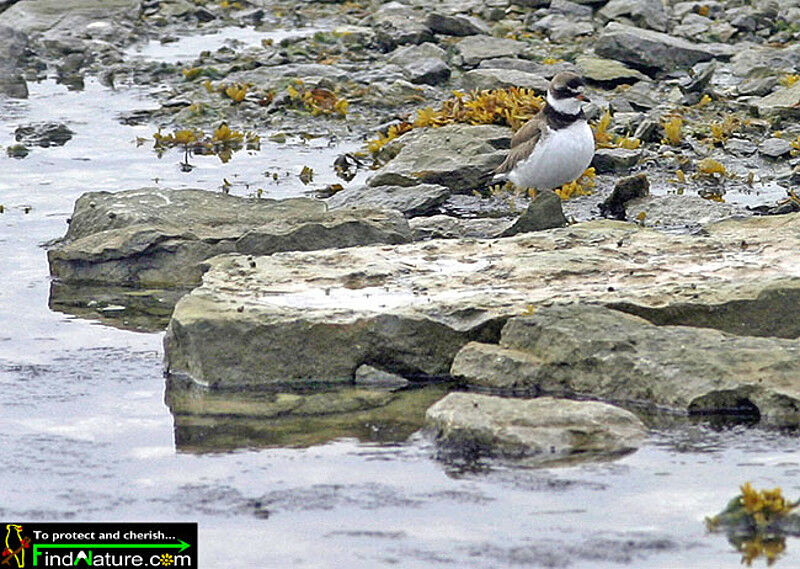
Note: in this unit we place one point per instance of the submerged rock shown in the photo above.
(218, 420)
(536, 431)
(593, 351)
(161, 237)
(302, 316)
(44, 134)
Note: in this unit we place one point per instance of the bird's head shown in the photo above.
(565, 93)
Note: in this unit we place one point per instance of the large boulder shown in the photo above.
(161, 237)
(597, 352)
(650, 50)
(536, 431)
(300, 316)
(460, 157)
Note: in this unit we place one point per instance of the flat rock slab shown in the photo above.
(161, 237)
(408, 309)
(424, 199)
(597, 352)
(459, 157)
(542, 430)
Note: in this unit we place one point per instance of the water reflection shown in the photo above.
(126, 308)
(217, 420)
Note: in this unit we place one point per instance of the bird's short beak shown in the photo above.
(582, 97)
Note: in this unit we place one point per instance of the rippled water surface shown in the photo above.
(86, 433)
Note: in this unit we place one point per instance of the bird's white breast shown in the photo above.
(559, 157)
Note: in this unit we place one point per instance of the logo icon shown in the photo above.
(16, 544)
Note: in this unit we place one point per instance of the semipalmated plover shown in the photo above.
(557, 145)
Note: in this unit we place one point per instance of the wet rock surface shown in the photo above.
(161, 237)
(411, 308)
(533, 431)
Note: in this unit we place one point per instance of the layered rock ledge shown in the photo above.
(593, 351)
(408, 309)
(160, 237)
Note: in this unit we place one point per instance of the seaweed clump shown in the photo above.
(222, 142)
(757, 523)
(512, 106)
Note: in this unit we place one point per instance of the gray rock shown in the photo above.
(44, 134)
(300, 316)
(740, 147)
(700, 78)
(615, 159)
(13, 44)
(535, 431)
(368, 376)
(412, 201)
(647, 130)
(474, 49)
(593, 351)
(548, 71)
(644, 13)
(409, 54)
(649, 49)
(560, 28)
(607, 71)
(544, 212)
(625, 190)
(571, 9)
(397, 24)
(486, 79)
(457, 25)
(642, 95)
(783, 103)
(758, 86)
(774, 147)
(428, 71)
(162, 237)
(460, 157)
(448, 227)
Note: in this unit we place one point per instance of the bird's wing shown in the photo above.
(518, 152)
(531, 129)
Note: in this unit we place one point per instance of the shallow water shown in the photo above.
(86, 433)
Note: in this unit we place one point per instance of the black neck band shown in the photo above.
(558, 120)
